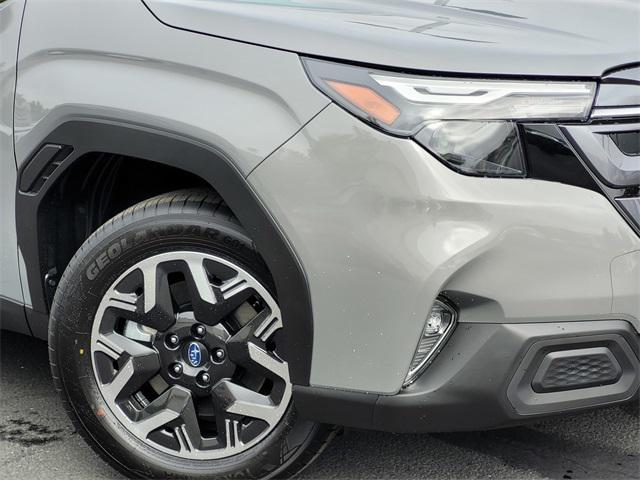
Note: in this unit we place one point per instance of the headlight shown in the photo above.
(467, 123)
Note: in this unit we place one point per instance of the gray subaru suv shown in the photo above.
(240, 223)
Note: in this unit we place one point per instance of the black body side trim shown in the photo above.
(209, 163)
(13, 317)
(38, 170)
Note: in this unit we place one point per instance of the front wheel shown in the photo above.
(164, 338)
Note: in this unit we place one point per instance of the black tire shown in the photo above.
(195, 220)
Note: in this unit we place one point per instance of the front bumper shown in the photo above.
(488, 375)
(382, 228)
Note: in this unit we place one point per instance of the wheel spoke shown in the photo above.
(158, 308)
(244, 350)
(261, 327)
(122, 305)
(123, 301)
(234, 293)
(229, 432)
(176, 403)
(232, 433)
(152, 309)
(202, 292)
(238, 400)
(212, 303)
(267, 361)
(190, 429)
(268, 326)
(140, 364)
(115, 345)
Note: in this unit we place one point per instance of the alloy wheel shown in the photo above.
(185, 354)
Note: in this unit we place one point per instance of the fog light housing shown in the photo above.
(438, 326)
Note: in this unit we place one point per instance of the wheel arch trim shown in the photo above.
(87, 134)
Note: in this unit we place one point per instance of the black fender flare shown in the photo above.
(80, 136)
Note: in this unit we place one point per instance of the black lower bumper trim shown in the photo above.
(482, 379)
(339, 407)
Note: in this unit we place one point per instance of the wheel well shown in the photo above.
(190, 164)
(94, 189)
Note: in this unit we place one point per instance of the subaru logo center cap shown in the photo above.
(195, 354)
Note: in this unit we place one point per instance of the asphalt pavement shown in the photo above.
(38, 442)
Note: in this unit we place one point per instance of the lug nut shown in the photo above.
(173, 340)
(176, 369)
(200, 330)
(204, 378)
(219, 354)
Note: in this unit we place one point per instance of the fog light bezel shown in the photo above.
(416, 372)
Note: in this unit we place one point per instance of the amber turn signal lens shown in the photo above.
(367, 100)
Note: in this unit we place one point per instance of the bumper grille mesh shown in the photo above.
(572, 369)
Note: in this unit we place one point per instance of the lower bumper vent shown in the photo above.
(573, 369)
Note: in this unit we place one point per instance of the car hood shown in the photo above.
(577, 38)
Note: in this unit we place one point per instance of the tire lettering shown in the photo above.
(92, 271)
(102, 260)
(112, 252)
(116, 249)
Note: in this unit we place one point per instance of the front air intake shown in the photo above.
(573, 369)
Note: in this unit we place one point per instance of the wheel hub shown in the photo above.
(198, 350)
